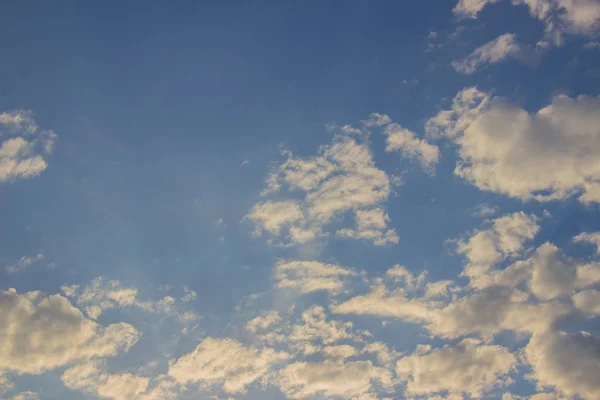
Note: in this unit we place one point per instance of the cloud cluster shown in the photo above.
(225, 362)
(529, 297)
(560, 17)
(310, 276)
(469, 367)
(342, 178)
(547, 155)
(23, 152)
(40, 332)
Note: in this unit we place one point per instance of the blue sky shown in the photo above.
(273, 199)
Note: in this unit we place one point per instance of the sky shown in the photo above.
(360, 200)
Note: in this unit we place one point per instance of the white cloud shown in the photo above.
(548, 274)
(566, 362)
(317, 328)
(497, 50)
(22, 158)
(377, 119)
(331, 379)
(468, 367)
(485, 210)
(589, 237)
(371, 225)
(91, 377)
(560, 17)
(263, 322)
(551, 154)
(341, 179)
(102, 295)
(225, 362)
(588, 302)
(380, 302)
(24, 263)
(470, 8)
(310, 276)
(272, 216)
(40, 332)
(340, 352)
(505, 238)
(308, 335)
(411, 147)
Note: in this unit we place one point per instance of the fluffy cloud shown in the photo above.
(592, 238)
(22, 153)
(497, 50)
(547, 274)
(485, 313)
(331, 379)
(91, 377)
(341, 179)
(588, 302)
(470, 8)
(566, 362)
(469, 367)
(371, 225)
(402, 140)
(317, 328)
(272, 216)
(40, 332)
(225, 362)
(551, 154)
(310, 276)
(505, 238)
(560, 17)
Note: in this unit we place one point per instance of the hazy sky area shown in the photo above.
(270, 200)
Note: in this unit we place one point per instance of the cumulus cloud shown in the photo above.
(341, 179)
(550, 154)
(40, 332)
(371, 225)
(468, 367)
(91, 377)
(274, 215)
(470, 8)
(225, 362)
(493, 52)
(310, 276)
(23, 152)
(589, 237)
(566, 362)
(403, 140)
(548, 274)
(588, 302)
(331, 379)
(560, 17)
(310, 334)
(503, 239)
(316, 327)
